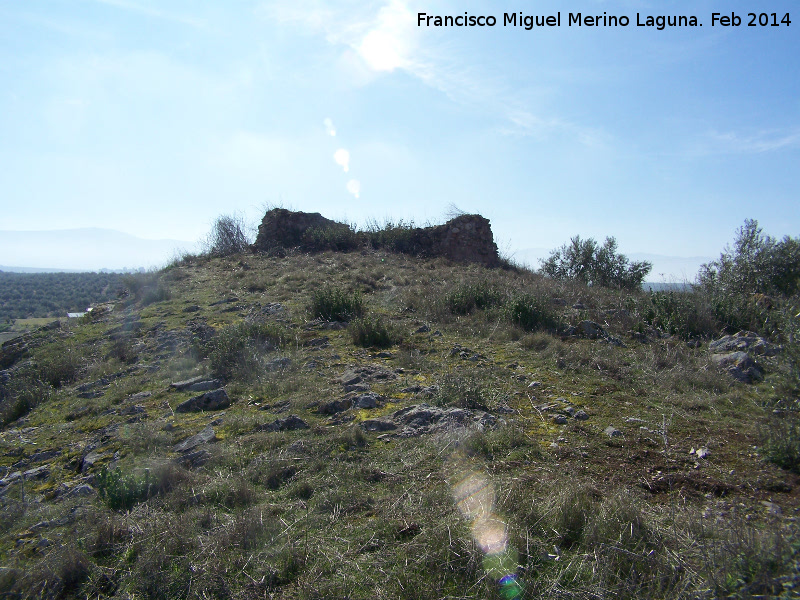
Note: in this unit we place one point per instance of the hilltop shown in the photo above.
(370, 423)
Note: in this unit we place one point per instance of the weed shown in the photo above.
(336, 304)
(531, 312)
(373, 332)
(121, 490)
(781, 441)
(238, 351)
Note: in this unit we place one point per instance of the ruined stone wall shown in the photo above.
(467, 238)
(281, 228)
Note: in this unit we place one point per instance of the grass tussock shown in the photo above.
(336, 304)
(373, 331)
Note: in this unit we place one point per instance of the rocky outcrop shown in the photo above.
(734, 354)
(466, 238)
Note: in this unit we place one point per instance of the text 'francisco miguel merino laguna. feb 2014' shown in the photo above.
(659, 22)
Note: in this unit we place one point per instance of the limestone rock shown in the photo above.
(214, 400)
(739, 365)
(206, 436)
(289, 423)
(744, 341)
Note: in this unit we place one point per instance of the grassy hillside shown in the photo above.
(552, 458)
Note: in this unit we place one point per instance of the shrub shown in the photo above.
(373, 332)
(122, 491)
(588, 262)
(237, 351)
(228, 236)
(782, 442)
(466, 297)
(757, 263)
(530, 312)
(146, 288)
(337, 239)
(685, 314)
(336, 304)
(462, 391)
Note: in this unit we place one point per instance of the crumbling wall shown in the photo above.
(466, 238)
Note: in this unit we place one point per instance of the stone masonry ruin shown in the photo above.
(466, 238)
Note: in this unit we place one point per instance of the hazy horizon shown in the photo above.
(95, 249)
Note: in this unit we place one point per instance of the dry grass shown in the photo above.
(334, 512)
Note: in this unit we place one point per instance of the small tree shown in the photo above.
(757, 263)
(228, 236)
(593, 264)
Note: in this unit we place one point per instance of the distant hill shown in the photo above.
(86, 249)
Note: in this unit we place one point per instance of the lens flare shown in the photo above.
(474, 496)
(342, 158)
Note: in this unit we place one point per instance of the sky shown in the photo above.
(153, 118)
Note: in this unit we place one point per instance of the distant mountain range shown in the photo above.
(87, 249)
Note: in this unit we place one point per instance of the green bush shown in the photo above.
(238, 351)
(590, 263)
(462, 390)
(122, 491)
(338, 239)
(685, 314)
(531, 312)
(466, 297)
(373, 332)
(336, 304)
(59, 366)
(757, 264)
(782, 442)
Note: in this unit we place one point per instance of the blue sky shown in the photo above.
(155, 117)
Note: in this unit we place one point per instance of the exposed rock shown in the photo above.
(560, 420)
(378, 425)
(744, 341)
(44, 455)
(278, 364)
(581, 415)
(422, 329)
(612, 432)
(89, 460)
(192, 460)
(289, 423)
(591, 330)
(272, 308)
(37, 473)
(206, 436)
(357, 379)
(203, 386)
(182, 385)
(214, 400)
(739, 365)
(84, 490)
(422, 419)
(368, 400)
(334, 406)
